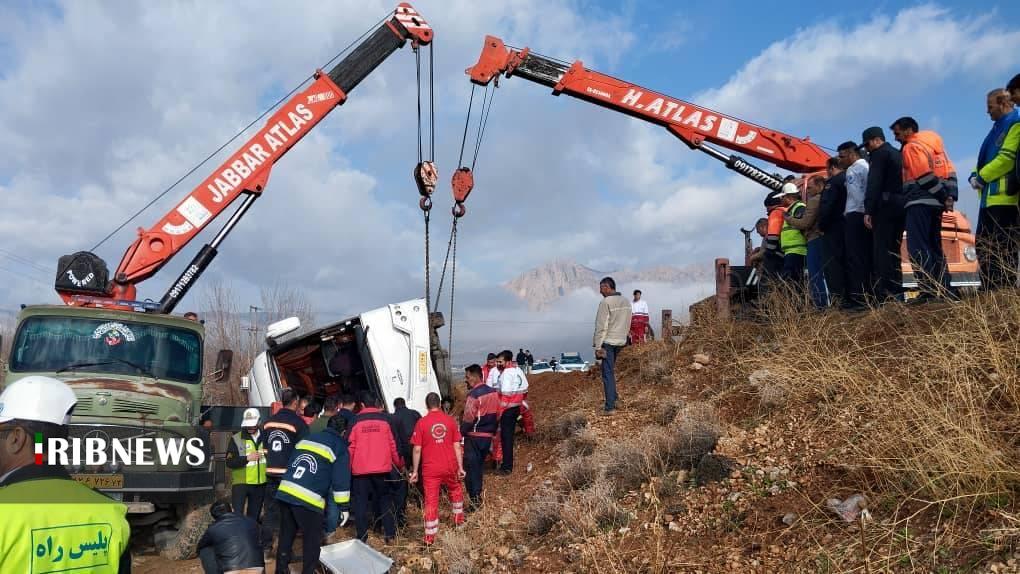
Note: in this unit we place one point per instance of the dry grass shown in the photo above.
(656, 368)
(577, 472)
(925, 399)
(455, 547)
(581, 443)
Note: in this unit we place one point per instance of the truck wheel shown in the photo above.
(181, 544)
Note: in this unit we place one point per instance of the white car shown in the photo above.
(542, 367)
(572, 362)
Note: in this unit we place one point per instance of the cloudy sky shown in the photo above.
(104, 104)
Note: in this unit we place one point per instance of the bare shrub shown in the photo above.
(569, 424)
(656, 368)
(456, 549)
(577, 472)
(543, 511)
(668, 411)
(628, 463)
(694, 434)
(593, 510)
(581, 443)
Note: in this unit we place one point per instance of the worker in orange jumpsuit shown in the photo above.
(930, 188)
(437, 449)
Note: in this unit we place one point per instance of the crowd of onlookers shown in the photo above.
(837, 236)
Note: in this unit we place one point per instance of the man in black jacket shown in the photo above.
(282, 433)
(406, 420)
(231, 543)
(831, 224)
(884, 213)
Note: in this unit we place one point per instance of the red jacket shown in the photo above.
(373, 446)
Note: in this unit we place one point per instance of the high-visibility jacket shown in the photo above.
(996, 165)
(54, 524)
(283, 430)
(319, 468)
(924, 154)
(791, 239)
(242, 470)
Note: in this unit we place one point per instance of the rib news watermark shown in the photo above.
(136, 451)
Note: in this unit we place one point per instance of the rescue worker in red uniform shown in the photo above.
(512, 386)
(373, 450)
(478, 427)
(490, 364)
(436, 441)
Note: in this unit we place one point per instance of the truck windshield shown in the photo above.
(568, 360)
(51, 344)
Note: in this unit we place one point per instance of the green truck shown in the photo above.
(136, 375)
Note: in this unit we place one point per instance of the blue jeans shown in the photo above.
(609, 374)
(816, 273)
(332, 515)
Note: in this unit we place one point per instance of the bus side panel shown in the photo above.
(398, 339)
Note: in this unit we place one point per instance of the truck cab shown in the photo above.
(391, 351)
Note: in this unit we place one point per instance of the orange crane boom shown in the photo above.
(698, 127)
(82, 278)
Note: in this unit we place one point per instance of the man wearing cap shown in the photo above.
(832, 224)
(884, 213)
(50, 522)
(246, 459)
(857, 232)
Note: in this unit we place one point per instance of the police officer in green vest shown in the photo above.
(246, 459)
(791, 240)
(51, 523)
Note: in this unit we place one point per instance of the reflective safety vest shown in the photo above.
(791, 239)
(254, 472)
(59, 525)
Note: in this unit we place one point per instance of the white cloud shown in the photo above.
(827, 69)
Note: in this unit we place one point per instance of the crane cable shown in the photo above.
(463, 181)
(425, 174)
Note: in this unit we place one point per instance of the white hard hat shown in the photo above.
(250, 418)
(37, 398)
(790, 189)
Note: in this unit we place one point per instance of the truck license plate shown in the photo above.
(100, 481)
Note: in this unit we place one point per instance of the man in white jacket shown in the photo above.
(612, 323)
(512, 386)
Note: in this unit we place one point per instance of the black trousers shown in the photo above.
(507, 426)
(834, 261)
(475, 451)
(378, 488)
(997, 231)
(924, 244)
(887, 233)
(250, 494)
(858, 247)
(294, 518)
(399, 495)
(271, 519)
